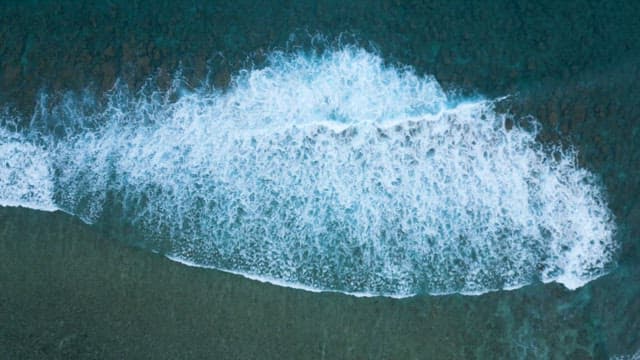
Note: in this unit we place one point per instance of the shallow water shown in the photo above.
(215, 165)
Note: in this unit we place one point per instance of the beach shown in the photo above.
(67, 292)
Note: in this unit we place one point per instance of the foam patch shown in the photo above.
(327, 171)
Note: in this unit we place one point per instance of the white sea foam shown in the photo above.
(25, 178)
(635, 356)
(333, 172)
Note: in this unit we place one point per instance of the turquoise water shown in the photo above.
(384, 149)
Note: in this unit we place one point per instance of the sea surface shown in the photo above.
(319, 180)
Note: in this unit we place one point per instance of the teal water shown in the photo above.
(311, 118)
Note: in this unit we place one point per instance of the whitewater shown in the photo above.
(327, 171)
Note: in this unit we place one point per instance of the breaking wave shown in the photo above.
(329, 171)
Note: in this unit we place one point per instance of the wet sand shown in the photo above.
(67, 292)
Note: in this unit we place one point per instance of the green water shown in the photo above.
(68, 290)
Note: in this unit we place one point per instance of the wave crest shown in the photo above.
(336, 172)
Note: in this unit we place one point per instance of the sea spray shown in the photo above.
(328, 171)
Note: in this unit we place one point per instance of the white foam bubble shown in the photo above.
(635, 356)
(336, 172)
(25, 178)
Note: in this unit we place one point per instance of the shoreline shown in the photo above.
(67, 292)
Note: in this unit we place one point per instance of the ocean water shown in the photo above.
(328, 171)
(387, 150)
